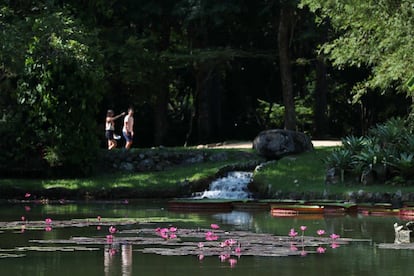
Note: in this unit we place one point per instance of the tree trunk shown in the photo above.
(285, 23)
(208, 103)
(160, 117)
(162, 97)
(321, 102)
(203, 128)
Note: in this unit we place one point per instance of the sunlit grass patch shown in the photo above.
(167, 180)
(304, 172)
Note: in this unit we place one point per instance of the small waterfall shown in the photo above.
(232, 186)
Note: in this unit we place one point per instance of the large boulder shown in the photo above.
(276, 143)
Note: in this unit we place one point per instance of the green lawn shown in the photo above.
(304, 173)
(147, 182)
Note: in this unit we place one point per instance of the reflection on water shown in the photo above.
(360, 258)
(112, 258)
(126, 256)
(241, 220)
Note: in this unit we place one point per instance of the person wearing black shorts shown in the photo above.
(110, 128)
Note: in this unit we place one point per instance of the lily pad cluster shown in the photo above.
(149, 238)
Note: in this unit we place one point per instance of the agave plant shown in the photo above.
(408, 143)
(373, 159)
(340, 159)
(390, 133)
(371, 155)
(404, 164)
(353, 144)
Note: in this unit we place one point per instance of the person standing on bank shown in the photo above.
(128, 129)
(110, 128)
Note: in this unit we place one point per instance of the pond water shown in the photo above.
(357, 258)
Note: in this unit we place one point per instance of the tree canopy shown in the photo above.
(377, 35)
(194, 71)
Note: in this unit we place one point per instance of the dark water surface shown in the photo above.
(357, 258)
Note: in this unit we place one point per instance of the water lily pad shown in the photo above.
(56, 248)
(409, 246)
(40, 225)
(193, 242)
(3, 255)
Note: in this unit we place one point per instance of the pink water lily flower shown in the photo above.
(164, 235)
(173, 229)
(230, 242)
(27, 195)
(210, 236)
(334, 245)
(232, 262)
(109, 238)
(303, 228)
(293, 248)
(48, 228)
(224, 257)
(48, 221)
(112, 230)
(164, 230)
(334, 236)
(320, 250)
(214, 226)
(112, 251)
(200, 245)
(320, 232)
(292, 233)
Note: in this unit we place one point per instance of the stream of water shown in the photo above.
(232, 186)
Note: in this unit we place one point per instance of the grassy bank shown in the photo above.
(306, 173)
(300, 175)
(166, 183)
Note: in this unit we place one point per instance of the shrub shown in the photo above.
(353, 144)
(403, 163)
(340, 159)
(385, 153)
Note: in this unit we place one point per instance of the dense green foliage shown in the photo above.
(385, 155)
(52, 91)
(377, 35)
(195, 72)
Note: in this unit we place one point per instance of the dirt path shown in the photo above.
(249, 145)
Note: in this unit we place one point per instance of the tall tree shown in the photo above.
(375, 34)
(286, 19)
(207, 35)
(56, 72)
(321, 98)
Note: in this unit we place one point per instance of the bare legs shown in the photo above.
(128, 144)
(111, 144)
